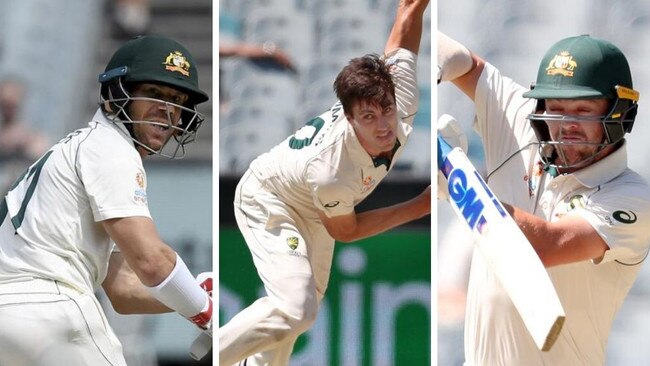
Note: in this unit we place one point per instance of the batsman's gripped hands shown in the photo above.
(203, 319)
(203, 342)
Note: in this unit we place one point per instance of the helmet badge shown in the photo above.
(562, 63)
(177, 62)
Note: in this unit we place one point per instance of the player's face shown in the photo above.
(375, 125)
(576, 135)
(155, 135)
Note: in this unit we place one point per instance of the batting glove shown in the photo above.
(203, 342)
(204, 319)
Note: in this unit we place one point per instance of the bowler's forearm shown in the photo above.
(379, 220)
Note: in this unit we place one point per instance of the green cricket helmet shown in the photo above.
(583, 67)
(155, 60)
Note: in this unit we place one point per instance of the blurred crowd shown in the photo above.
(278, 59)
(20, 144)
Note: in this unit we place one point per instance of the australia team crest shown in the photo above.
(176, 61)
(563, 63)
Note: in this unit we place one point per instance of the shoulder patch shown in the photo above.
(140, 193)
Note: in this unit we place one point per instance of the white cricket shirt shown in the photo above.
(53, 229)
(611, 197)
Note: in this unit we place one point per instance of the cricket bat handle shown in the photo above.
(201, 346)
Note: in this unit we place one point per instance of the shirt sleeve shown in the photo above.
(402, 64)
(501, 112)
(330, 193)
(114, 180)
(622, 219)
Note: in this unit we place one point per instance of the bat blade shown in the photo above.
(504, 246)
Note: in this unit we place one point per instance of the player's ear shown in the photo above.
(107, 107)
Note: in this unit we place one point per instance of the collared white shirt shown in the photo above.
(53, 225)
(611, 197)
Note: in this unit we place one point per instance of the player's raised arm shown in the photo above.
(407, 28)
(458, 64)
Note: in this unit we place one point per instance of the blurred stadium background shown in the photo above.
(377, 310)
(513, 35)
(57, 49)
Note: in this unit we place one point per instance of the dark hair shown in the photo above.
(367, 79)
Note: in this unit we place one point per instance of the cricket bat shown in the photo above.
(503, 245)
(201, 346)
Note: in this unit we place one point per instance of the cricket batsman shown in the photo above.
(78, 219)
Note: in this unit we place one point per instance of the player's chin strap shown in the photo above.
(487, 178)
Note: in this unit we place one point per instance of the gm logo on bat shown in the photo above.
(467, 200)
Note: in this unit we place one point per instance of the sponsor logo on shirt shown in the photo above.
(625, 217)
(140, 194)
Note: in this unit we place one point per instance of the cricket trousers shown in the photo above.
(46, 323)
(293, 258)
